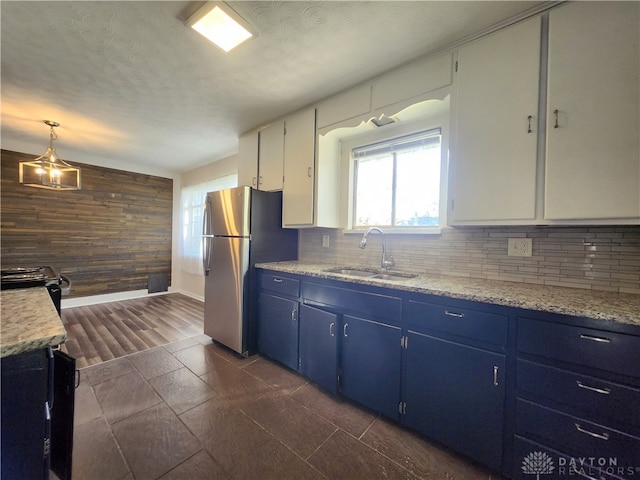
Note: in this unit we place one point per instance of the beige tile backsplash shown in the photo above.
(599, 258)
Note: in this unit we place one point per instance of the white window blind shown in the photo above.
(192, 200)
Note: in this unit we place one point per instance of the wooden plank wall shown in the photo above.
(107, 237)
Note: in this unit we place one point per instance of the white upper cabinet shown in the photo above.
(493, 155)
(592, 150)
(310, 195)
(411, 81)
(299, 169)
(345, 106)
(271, 157)
(248, 159)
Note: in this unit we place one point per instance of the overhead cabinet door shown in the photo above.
(494, 155)
(593, 155)
(271, 157)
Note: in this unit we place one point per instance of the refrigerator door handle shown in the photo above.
(206, 240)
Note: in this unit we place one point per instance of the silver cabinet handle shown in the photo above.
(555, 116)
(601, 436)
(344, 329)
(293, 315)
(595, 339)
(529, 117)
(495, 375)
(331, 332)
(254, 180)
(454, 314)
(277, 280)
(260, 179)
(309, 172)
(603, 391)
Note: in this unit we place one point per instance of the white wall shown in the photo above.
(188, 283)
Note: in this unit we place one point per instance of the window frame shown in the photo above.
(386, 133)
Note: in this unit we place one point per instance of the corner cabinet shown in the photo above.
(593, 112)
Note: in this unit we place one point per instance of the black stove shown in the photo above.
(29, 277)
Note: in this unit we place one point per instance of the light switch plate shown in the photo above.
(325, 241)
(520, 247)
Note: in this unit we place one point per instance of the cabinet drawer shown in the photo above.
(371, 305)
(593, 395)
(582, 437)
(281, 285)
(475, 324)
(611, 351)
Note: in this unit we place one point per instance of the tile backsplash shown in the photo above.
(599, 258)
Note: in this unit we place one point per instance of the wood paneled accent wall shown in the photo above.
(107, 237)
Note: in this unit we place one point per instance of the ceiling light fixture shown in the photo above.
(220, 24)
(48, 170)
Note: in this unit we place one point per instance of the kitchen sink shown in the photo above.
(370, 273)
(356, 272)
(394, 276)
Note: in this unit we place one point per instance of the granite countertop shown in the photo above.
(595, 304)
(30, 321)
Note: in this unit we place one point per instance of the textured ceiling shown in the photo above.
(134, 88)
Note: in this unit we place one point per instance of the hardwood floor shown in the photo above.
(97, 333)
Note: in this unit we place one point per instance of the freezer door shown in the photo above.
(227, 212)
(225, 293)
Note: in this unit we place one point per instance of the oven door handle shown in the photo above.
(65, 287)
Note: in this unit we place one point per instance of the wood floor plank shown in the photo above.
(101, 332)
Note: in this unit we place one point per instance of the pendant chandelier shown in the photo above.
(48, 170)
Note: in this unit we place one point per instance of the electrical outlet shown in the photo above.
(520, 247)
(325, 241)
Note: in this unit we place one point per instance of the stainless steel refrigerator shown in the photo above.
(241, 227)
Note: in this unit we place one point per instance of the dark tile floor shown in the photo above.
(193, 410)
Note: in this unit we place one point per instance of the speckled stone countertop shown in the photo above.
(30, 321)
(595, 304)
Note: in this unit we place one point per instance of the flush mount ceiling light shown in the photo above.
(50, 171)
(221, 25)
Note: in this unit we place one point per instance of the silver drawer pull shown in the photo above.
(595, 339)
(277, 280)
(603, 391)
(601, 436)
(495, 375)
(293, 315)
(454, 314)
(331, 332)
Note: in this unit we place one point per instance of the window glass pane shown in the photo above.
(374, 182)
(397, 181)
(418, 187)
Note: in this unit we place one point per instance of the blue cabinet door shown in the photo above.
(319, 347)
(278, 329)
(370, 361)
(455, 394)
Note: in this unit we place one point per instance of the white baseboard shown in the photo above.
(119, 296)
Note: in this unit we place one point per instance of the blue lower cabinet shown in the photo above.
(278, 329)
(319, 347)
(455, 394)
(371, 364)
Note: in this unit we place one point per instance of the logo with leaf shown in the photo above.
(537, 463)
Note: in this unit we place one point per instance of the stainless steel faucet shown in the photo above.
(386, 261)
